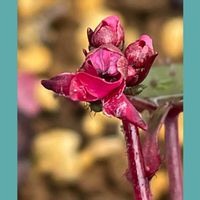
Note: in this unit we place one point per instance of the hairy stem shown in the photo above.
(173, 156)
(136, 163)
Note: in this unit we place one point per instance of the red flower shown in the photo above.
(101, 77)
(109, 31)
(140, 55)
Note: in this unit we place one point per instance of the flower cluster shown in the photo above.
(107, 71)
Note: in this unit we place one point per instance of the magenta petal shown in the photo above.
(85, 87)
(140, 55)
(105, 35)
(142, 74)
(147, 39)
(78, 92)
(106, 59)
(111, 21)
(109, 31)
(121, 107)
(132, 76)
(59, 84)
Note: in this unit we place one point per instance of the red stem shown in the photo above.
(173, 156)
(136, 163)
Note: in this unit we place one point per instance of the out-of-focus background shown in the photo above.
(66, 152)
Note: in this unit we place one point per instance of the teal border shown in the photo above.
(8, 104)
(8, 100)
(191, 100)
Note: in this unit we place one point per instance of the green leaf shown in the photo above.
(164, 80)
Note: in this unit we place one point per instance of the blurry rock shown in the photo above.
(93, 125)
(98, 124)
(45, 98)
(34, 59)
(172, 37)
(105, 147)
(159, 184)
(100, 149)
(56, 152)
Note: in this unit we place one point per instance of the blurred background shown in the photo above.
(65, 151)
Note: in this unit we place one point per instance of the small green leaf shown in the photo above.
(163, 80)
(96, 106)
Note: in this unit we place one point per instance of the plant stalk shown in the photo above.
(136, 163)
(173, 156)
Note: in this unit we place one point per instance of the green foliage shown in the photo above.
(163, 80)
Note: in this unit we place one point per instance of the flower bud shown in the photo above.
(140, 55)
(107, 62)
(108, 31)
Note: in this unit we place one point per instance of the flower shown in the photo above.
(140, 55)
(108, 31)
(101, 77)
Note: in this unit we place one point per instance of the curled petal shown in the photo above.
(121, 107)
(106, 59)
(60, 84)
(85, 87)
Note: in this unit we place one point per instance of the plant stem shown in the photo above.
(136, 163)
(173, 156)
